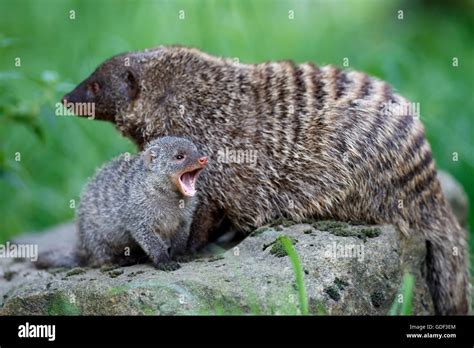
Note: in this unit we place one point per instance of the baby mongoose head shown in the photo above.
(176, 160)
(112, 87)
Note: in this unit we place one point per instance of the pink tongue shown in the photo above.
(187, 183)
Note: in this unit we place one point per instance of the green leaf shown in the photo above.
(295, 262)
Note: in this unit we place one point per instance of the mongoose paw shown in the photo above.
(168, 266)
(185, 258)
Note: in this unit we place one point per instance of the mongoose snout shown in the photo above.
(187, 178)
(103, 90)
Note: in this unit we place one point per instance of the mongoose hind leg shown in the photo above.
(98, 260)
(134, 258)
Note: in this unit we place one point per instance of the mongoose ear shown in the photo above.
(150, 156)
(132, 84)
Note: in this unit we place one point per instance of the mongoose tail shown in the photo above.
(447, 264)
(57, 258)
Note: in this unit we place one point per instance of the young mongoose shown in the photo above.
(138, 206)
(328, 143)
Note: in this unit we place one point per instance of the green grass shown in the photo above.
(402, 304)
(58, 154)
(295, 262)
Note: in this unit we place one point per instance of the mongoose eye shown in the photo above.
(94, 87)
(179, 157)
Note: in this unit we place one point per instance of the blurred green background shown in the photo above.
(58, 154)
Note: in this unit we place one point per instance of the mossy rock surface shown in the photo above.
(344, 273)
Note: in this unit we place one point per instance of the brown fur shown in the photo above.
(326, 145)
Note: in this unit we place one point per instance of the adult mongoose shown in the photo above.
(137, 206)
(328, 143)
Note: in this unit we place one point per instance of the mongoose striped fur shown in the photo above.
(328, 143)
(137, 207)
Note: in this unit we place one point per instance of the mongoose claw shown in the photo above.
(168, 266)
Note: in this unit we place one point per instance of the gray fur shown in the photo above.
(132, 208)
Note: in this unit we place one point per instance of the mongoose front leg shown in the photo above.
(180, 240)
(206, 220)
(155, 247)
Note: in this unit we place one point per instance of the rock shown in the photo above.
(456, 196)
(255, 277)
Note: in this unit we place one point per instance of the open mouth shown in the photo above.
(187, 182)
